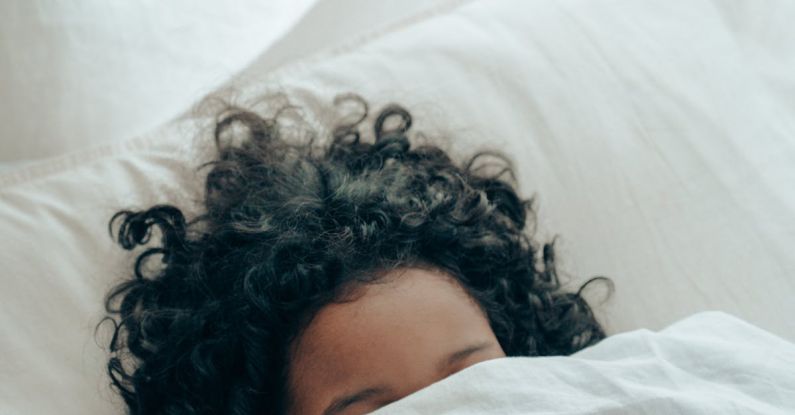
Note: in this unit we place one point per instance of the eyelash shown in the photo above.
(461, 365)
(457, 368)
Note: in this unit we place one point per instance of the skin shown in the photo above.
(413, 328)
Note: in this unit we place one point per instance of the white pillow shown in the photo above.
(99, 71)
(659, 138)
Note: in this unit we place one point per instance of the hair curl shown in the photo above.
(286, 228)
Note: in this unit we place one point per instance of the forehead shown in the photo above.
(401, 324)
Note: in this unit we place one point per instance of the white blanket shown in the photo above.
(709, 363)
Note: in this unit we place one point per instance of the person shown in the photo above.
(332, 277)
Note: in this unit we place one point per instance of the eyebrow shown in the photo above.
(344, 401)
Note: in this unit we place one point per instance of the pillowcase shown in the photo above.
(103, 72)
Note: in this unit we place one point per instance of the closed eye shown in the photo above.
(461, 355)
(443, 366)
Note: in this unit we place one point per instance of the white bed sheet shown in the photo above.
(659, 137)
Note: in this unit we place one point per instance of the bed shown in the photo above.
(658, 137)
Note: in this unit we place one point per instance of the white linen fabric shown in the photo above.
(108, 71)
(74, 74)
(659, 137)
(709, 363)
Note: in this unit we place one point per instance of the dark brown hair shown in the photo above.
(286, 227)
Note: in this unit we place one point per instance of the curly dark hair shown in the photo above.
(287, 228)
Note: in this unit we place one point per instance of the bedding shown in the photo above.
(158, 60)
(709, 363)
(79, 74)
(658, 137)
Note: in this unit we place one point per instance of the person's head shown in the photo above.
(335, 275)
